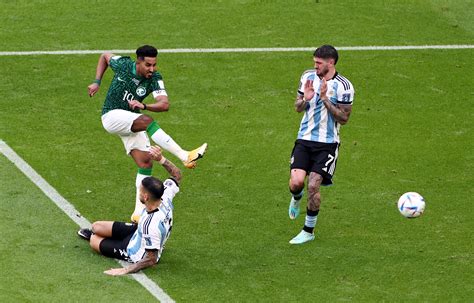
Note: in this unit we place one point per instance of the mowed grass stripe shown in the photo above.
(72, 213)
(240, 50)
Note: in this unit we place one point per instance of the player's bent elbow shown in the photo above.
(164, 106)
(343, 120)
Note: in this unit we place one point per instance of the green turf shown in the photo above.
(83, 24)
(43, 263)
(410, 131)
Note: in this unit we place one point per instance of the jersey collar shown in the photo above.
(153, 211)
(333, 77)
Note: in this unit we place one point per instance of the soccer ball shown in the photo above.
(411, 205)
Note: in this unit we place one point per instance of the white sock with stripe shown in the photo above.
(165, 141)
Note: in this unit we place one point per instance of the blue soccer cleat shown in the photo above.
(294, 208)
(302, 237)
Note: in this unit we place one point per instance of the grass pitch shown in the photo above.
(409, 131)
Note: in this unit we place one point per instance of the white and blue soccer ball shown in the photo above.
(411, 205)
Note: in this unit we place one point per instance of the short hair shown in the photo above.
(154, 187)
(146, 51)
(326, 52)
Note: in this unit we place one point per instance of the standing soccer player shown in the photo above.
(141, 244)
(131, 84)
(326, 98)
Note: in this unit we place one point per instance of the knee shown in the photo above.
(141, 123)
(146, 119)
(296, 184)
(94, 242)
(95, 227)
(145, 162)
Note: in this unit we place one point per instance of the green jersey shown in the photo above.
(127, 85)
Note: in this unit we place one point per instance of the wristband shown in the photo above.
(162, 160)
(96, 81)
(144, 106)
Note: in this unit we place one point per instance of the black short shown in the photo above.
(116, 246)
(315, 157)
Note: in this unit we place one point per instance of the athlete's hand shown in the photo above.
(135, 104)
(93, 88)
(308, 90)
(116, 271)
(155, 153)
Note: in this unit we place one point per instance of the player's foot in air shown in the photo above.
(294, 208)
(194, 155)
(85, 233)
(302, 237)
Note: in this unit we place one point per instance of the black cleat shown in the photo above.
(85, 233)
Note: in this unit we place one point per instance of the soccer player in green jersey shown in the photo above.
(133, 81)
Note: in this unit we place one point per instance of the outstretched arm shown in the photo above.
(155, 152)
(148, 260)
(102, 65)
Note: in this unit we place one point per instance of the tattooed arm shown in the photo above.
(175, 172)
(340, 112)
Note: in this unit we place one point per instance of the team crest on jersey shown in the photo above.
(141, 91)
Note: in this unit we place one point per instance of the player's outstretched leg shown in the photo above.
(161, 138)
(294, 207)
(141, 174)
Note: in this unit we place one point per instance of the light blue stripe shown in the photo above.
(304, 125)
(162, 228)
(331, 122)
(134, 249)
(316, 119)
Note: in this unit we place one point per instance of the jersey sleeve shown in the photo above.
(158, 86)
(153, 238)
(345, 92)
(171, 189)
(118, 62)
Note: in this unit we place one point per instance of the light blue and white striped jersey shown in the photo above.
(318, 124)
(154, 227)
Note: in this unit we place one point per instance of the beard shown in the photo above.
(322, 72)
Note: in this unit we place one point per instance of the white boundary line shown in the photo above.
(238, 50)
(72, 213)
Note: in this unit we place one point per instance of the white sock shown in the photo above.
(139, 206)
(166, 142)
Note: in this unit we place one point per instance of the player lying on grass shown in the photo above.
(133, 81)
(141, 244)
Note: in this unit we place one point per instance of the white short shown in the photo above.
(119, 122)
